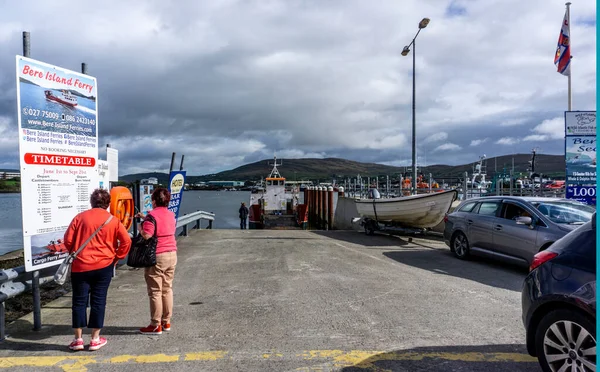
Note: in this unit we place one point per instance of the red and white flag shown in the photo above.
(562, 58)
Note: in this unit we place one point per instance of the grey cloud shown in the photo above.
(232, 82)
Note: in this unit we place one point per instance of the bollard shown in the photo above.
(37, 304)
(330, 208)
(323, 207)
(340, 192)
(2, 321)
(313, 207)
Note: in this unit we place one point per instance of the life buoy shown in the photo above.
(121, 205)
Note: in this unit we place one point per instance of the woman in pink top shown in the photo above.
(159, 278)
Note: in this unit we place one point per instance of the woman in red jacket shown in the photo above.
(92, 270)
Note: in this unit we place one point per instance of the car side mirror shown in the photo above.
(524, 221)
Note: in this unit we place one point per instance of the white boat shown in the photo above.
(419, 211)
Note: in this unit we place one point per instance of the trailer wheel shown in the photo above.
(370, 228)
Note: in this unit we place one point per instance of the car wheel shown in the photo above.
(564, 341)
(460, 246)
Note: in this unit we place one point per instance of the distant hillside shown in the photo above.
(326, 169)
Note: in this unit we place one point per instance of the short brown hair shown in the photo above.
(100, 199)
(161, 197)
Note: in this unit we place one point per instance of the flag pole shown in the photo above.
(570, 57)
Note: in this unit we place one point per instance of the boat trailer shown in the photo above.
(372, 225)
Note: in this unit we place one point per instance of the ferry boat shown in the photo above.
(275, 207)
(65, 97)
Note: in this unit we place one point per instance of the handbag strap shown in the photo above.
(90, 238)
(150, 218)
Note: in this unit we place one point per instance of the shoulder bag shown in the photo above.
(143, 251)
(64, 270)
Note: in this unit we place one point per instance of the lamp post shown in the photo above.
(424, 22)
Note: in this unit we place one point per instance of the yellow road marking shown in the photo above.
(339, 358)
(206, 355)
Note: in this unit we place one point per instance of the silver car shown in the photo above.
(510, 227)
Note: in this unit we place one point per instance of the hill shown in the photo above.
(326, 169)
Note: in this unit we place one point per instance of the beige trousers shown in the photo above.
(159, 280)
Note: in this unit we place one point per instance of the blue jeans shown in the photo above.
(92, 285)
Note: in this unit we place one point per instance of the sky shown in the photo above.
(231, 82)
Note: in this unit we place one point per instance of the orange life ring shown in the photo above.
(121, 205)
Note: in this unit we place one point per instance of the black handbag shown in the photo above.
(143, 251)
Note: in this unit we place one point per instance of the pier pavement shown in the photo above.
(259, 300)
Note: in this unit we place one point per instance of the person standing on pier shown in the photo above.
(159, 278)
(92, 270)
(243, 215)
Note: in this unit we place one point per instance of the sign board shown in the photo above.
(176, 183)
(584, 194)
(103, 169)
(58, 145)
(580, 155)
(112, 156)
(146, 198)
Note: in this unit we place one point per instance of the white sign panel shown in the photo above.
(103, 171)
(580, 123)
(112, 155)
(58, 144)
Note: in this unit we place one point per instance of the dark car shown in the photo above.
(559, 303)
(512, 228)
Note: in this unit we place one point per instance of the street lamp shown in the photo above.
(424, 22)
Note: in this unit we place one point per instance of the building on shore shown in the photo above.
(8, 174)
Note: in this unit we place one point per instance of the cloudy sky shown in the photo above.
(229, 82)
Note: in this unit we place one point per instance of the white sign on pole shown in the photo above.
(103, 171)
(58, 144)
(112, 156)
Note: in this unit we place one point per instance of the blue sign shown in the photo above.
(176, 186)
(584, 194)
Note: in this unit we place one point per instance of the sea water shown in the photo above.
(224, 204)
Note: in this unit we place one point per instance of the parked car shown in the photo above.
(511, 228)
(559, 303)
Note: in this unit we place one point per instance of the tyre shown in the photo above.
(565, 340)
(370, 228)
(460, 246)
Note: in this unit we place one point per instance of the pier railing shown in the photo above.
(16, 281)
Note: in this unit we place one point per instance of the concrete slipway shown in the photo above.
(259, 300)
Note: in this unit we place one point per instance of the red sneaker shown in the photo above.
(76, 344)
(151, 330)
(97, 344)
(166, 327)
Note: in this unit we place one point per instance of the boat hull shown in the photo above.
(415, 211)
(56, 99)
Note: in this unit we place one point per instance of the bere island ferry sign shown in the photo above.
(58, 144)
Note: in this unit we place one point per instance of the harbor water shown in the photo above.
(224, 204)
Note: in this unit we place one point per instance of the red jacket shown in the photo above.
(112, 242)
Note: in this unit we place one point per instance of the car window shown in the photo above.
(468, 207)
(488, 208)
(512, 211)
(581, 241)
(566, 213)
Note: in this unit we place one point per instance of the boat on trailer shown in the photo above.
(416, 212)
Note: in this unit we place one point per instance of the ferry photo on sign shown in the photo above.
(58, 145)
